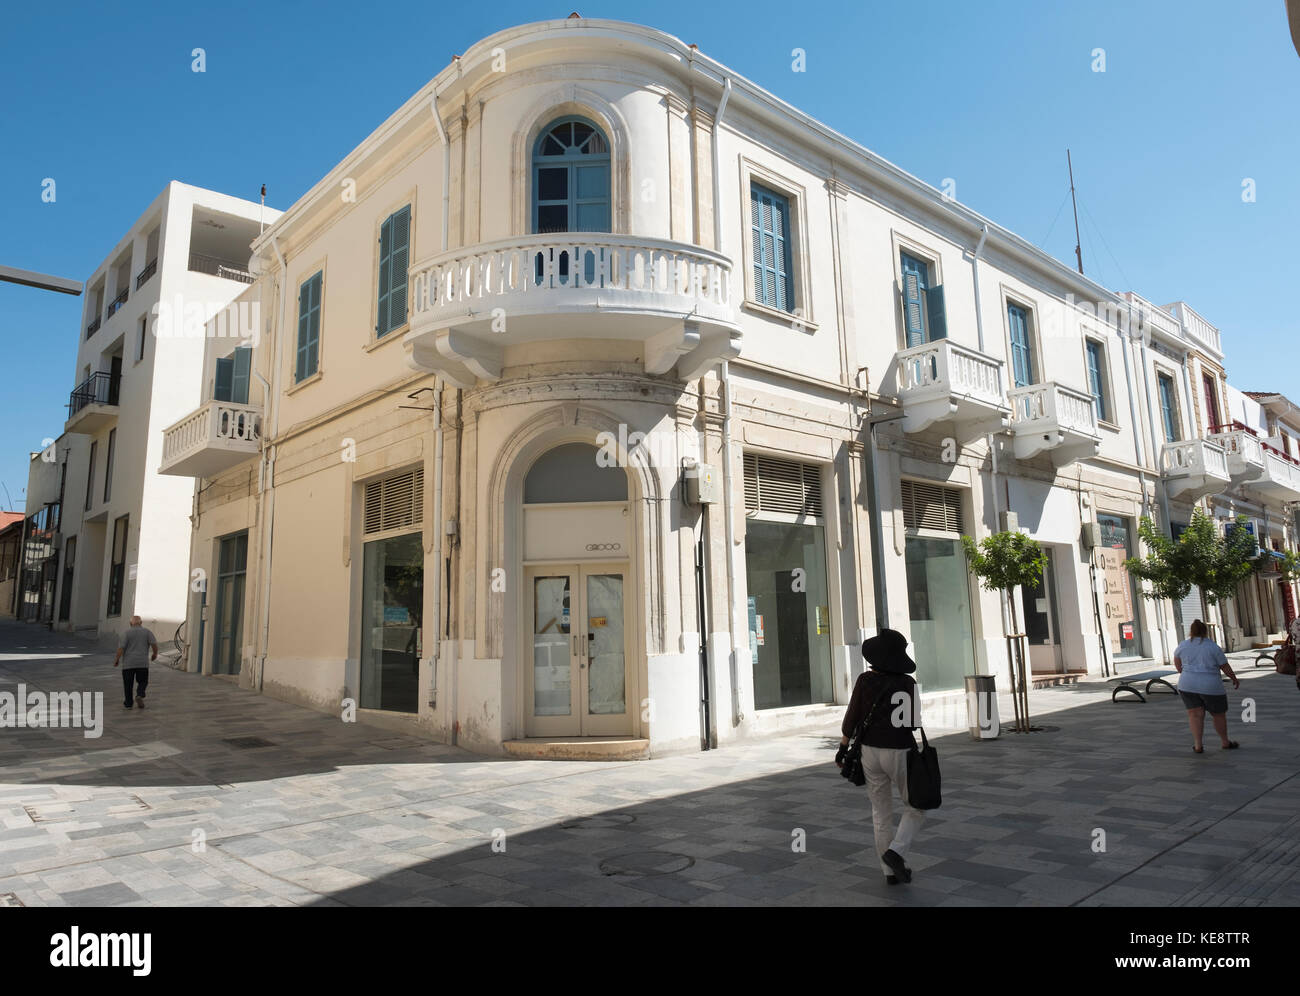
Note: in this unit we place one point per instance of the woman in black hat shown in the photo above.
(884, 702)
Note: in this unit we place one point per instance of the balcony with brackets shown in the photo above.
(212, 438)
(1194, 468)
(942, 383)
(1281, 477)
(468, 305)
(1053, 419)
(1245, 452)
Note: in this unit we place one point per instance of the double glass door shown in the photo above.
(578, 681)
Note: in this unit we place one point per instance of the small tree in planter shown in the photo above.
(1200, 557)
(1003, 562)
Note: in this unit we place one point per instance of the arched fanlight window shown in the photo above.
(574, 472)
(571, 178)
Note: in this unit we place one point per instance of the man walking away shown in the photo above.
(133, 653)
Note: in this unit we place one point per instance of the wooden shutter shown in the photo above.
(394, 261)
(775, 485)
(242, 360)
(1093, 350)
(395, 502)
(309, 305)
(913, 317)
(931, 506)
(1022, 361)
(225, 379)
(770, 233)
(938, 321)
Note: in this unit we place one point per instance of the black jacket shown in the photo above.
(882, 732)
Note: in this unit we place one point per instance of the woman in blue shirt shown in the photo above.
(1199, 660)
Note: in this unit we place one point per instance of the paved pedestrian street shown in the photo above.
(218, 796)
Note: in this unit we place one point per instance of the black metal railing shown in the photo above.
(117, 303)
(150, 269)
(97, 389)
(93, 327)
(217, 267)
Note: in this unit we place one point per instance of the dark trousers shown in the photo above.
(140, 675)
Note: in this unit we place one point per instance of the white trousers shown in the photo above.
(886, 769)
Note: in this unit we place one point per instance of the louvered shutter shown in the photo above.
(394, 260)
(395, 502)
(770, 234)
(1094, 378)
(242, 363)
(935, 313)
(1022, 367)
(915, 322)
(302, 368)
(775, 485)
(225, 379)
(931, 506)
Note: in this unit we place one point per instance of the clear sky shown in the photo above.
(1196, 97)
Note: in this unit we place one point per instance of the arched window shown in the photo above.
(571, 178)
(574, 472)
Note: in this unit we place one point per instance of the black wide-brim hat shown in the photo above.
(887, 651)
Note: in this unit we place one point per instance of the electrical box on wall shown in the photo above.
(702, 485)
(1090, 536)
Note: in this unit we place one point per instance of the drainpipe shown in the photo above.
(990, 438)
(436, 648)
(437, 560)
(267, 516)
(728, 491)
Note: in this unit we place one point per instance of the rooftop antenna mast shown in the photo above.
(1078, 247)
(262, 210)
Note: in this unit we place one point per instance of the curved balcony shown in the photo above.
(469, 304)
(1194, 468)
(211, 439)
(943, 383)
(1054, 419)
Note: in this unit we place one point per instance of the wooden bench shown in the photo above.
(1127, 683)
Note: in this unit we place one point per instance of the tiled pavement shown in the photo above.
(336, 813)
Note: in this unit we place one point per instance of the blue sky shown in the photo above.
(1196, 97)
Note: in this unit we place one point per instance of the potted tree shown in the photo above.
(1201, 556)
(1003, 562)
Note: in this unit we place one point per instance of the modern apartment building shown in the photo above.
(120, 544)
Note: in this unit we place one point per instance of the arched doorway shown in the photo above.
(579, 593)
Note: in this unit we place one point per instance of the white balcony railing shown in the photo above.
(1244, 453)
(467, 305)
(943, 381)
(547, 269)
(1281, 475)
(1055, 405)
(1194, 468)
(1052, 417)
(213, 437)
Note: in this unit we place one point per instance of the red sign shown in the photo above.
(1126, 631)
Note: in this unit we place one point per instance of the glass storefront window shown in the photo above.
(1119, 611)
(938, 602)
(392, 602)
(789, 614)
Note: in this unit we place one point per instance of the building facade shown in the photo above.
(120, 543)
(693, 395)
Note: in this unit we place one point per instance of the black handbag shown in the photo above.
(923, 781)
(852, 769)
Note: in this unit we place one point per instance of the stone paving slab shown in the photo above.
(344, 814)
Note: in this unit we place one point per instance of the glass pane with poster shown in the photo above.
(1119, 608)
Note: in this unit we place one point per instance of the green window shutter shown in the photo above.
(309, 305)
(913, 317)
(241, 364)
(1095, 381)
(394, 260)
(225, 379)
(1022, 360)
(935, 313)
(385, 269)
